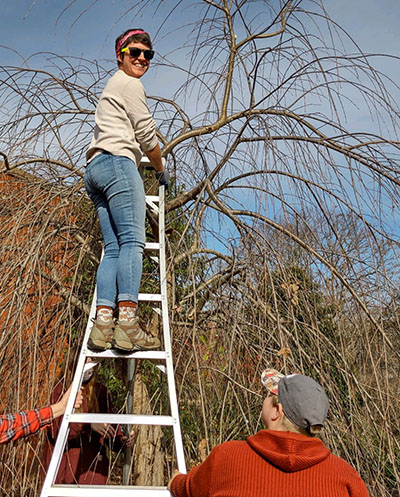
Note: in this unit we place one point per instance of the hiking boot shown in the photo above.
(140, 340)
(100, 339)
(121, 340)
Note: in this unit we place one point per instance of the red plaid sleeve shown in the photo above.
(23, 424)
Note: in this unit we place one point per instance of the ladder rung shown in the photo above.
(152, 198)
(106, 491)
(150, 297)
(122, 419)
(152, 246)
(139, 354)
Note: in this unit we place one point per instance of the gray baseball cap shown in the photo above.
(303, 400)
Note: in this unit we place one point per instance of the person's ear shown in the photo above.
(277, 412)
(119, 58)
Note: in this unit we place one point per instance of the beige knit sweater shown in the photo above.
(124, 125)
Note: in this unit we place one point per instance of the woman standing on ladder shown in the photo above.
(124, 128)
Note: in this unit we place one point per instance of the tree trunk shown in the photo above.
(148, 456)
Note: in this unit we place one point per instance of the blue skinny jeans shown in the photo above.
(114, 185)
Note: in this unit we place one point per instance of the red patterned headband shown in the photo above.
(128, 35)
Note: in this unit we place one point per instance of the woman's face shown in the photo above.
(87, 375)
(134, 66)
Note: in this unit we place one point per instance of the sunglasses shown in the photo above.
(135, 52)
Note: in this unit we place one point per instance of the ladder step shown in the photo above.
(152, 246)
(150, 297)
(139, 354)
(106, 491)
(122, 419)
(152, 198)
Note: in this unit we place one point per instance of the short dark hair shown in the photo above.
(137, 37)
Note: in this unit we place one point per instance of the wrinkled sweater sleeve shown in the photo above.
(197, 483)
(139, 115)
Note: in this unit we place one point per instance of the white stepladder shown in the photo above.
(50, 489)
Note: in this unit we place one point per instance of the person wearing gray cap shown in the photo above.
(285, 459)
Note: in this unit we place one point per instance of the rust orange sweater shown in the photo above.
(271, 464)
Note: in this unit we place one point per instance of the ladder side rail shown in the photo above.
(167, 339)
(61, 441)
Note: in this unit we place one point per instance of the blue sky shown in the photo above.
(30, 26)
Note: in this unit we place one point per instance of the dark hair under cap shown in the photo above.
(133, 34)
